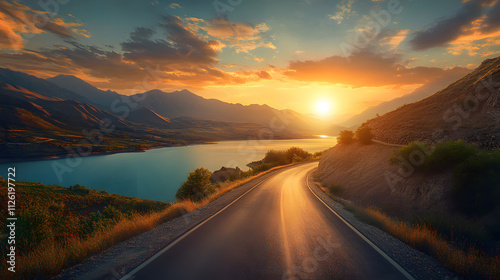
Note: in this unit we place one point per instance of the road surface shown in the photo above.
(277, 230)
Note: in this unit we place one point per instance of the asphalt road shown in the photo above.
(278, 230)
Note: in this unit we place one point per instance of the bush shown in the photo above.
(442, 156)
(278, 157)
(448, 154)
(345, 137)
(296, 154)
(415, 152)
(476, 188)
(34, 227)
(364, 135)
(197, 186)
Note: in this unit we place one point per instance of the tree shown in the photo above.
(364, 135)
(345, 137)
(197, 185)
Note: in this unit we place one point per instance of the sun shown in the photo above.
(323, 107)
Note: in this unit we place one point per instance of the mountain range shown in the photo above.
(44, 117)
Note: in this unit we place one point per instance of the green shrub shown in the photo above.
(448, 154)
(296, 154)
(34, 227)
(345, 137)
(364, 135)
(293, 154)
(278, 157)
(415, 153)
(197, 186)
(476, 188)
(79, 189)
(444, 155)
(93, 223)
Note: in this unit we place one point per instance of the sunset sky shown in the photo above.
(292, 54)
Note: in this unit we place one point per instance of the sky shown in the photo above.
(332, 59)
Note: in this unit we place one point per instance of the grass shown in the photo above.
(459, 257)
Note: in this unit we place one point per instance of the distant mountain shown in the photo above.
(187, 104)
(100, 98)
(40, 86)
(184, 103)
(146, 116)
(420, 93)
(27, 109)
(467, 109)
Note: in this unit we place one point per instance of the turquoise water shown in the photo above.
(155, 174)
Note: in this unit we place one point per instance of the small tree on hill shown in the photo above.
(364, 135)
(197, 185)
(345, 137)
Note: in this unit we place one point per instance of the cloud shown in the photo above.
(344, 11)
(17, 19)
(445, 31)
(241, 36)
(362, 69)
(392, 37)
(174, 6)
(178, 56)
(180, 47)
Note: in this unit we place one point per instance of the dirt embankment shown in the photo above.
(364, 175)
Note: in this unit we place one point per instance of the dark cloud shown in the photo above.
(264, 75)
(448, 29)
(492, 20)
(362, 69)
(180, 47)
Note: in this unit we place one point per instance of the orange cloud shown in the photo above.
(243, 37)
(17, 19)
(362, 69)
(476, 40)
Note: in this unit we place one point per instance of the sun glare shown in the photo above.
(323, 107)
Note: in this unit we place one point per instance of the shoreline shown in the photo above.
(62, 156)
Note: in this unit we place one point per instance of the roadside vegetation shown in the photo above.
(61, 226)
(198, 187)
(467, 242)
(476, 173)
(362, 135)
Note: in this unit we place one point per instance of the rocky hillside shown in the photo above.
(468, 108)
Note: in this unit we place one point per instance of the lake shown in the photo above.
(155, 174)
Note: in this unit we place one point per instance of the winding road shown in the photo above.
(279, 229)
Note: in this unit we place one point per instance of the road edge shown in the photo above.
(418, 264)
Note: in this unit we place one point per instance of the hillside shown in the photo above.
(468, 108)
(418, 94)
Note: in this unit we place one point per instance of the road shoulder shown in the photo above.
(420, 265)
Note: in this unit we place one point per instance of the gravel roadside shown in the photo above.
(419, 264)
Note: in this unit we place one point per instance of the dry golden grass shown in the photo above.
(464, 260)
(50, 258)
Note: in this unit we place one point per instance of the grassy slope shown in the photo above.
(419, 211)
